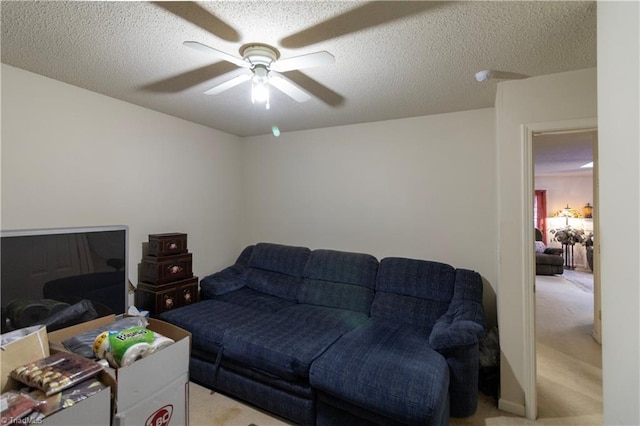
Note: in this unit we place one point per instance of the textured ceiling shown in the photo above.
(393, 59)
(563, 153)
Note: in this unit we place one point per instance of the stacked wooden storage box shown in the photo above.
(166, 277)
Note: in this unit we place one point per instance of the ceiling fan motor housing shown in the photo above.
(259, 54)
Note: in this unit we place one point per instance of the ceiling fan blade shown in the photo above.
(316, 89)
(185, 80)
(217, 53)
(304, 61)
(228, 84)
(366, 16)
(199, 16)
(288, 88)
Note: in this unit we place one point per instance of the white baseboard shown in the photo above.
(511, 407)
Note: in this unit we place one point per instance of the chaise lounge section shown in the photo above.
(329, 337)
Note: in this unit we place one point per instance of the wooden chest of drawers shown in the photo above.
(161, 298)
(165, 269)
(165, 275)
(167, 244)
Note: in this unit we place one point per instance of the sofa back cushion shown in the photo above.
(416, 292)
(338, 279)
(243, 259)
(277, 269)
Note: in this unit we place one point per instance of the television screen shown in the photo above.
(47, 271)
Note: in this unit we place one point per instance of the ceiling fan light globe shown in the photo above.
(260, 92)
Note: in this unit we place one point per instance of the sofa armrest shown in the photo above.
(225, 281)
(456, 335)
(229, 279)
(460, 326)
(463, 323)
(553, 250)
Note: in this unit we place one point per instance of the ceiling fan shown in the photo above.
(363, 16)
(265, 66)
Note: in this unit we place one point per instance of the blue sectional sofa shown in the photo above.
(331, 338)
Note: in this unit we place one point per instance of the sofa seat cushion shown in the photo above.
(386, 367)
(256, 300)
(207, 321)
(286, 342)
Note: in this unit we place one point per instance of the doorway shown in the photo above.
(567, 320)
(529, 133)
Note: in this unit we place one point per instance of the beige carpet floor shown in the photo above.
(568, 360)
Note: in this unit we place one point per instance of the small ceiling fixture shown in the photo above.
(499, 75)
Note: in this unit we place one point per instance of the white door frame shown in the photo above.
(528, 131)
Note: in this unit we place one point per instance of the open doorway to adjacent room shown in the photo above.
(567, 286)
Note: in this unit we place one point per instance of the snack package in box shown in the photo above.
(48, 405)
(56, 372)
(15, 406)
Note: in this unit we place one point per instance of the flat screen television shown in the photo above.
(44, 271)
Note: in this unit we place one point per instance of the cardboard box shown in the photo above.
(134, 387)
(159, 408)
(95, 410)
(32, 345)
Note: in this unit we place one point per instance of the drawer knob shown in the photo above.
(168, 302)
(175, 269)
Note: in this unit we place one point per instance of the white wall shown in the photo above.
(71, 158)
(421, 187)
(574, 190)
(619, 155)
(558, 97)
